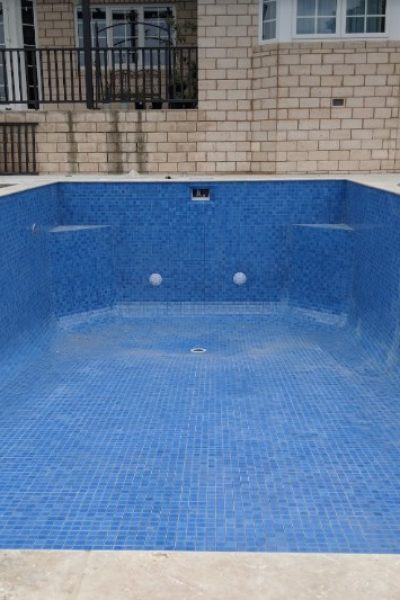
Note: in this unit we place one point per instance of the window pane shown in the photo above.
(327, 8)
(1, 27)
(355, 25)
(376, 25)
(269, 11)
(326, 25)
(2, 71)
(124, 30)
(376, 7)
(157, 25)
(306, 8)
(355, 7)
(98, 14)
(269, 30)
(98, 23)
(305, 26)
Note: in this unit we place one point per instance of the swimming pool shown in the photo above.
(282, 436)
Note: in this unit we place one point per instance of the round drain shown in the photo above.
(198, 350)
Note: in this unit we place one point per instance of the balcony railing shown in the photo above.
(18, 149)
(145, 76)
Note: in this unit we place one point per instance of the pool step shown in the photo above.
(81, 262)
(321, 266)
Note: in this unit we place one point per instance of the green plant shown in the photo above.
(180, 29)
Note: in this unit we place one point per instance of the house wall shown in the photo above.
(262, 109)
(312, 135)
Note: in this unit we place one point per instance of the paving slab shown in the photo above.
(75, 575)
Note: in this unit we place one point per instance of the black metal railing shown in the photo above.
(35, 76)
(147, 75)
(18, 149)
(41, 76)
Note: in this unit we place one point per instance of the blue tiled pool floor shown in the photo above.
(284, 436)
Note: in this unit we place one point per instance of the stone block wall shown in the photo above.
(362, 135)
(262, 108)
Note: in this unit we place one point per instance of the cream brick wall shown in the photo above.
(262, 109)
(314, 135)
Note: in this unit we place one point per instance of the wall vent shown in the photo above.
(338, 102)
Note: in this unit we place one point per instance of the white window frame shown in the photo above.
(340, 26)
(261, 23)
(109, 8)
(13, 38)
(365, 33)
(316, 35)
(286, 24)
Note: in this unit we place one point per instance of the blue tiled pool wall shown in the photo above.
(259, 228)
(321, 267)
(24, 266)
(375, 306)
(82, 268)
(198, 246)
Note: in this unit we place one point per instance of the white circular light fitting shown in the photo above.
(239, 278)
(155, 279)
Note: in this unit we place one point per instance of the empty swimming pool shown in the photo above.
(282, 436)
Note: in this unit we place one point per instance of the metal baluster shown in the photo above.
(12, 148)
(55, 54)
(26, 140)
(34, 170)
(49, 78)
(64, 73)
(71, 76)
(5, 152)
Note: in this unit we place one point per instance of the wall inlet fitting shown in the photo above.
(338, 102)
(201, 194)
(240, 278)
(198, 350)
(155, 279)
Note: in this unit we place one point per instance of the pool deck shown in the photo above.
(390, 182)
(197, 576)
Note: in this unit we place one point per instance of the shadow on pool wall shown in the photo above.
(330, 246)
(375, 302)
(26, 305)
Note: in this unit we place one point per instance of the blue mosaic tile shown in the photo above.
(24, 268)
(321, 267)
(199, 246)
(375, 218)
(117, 437)
(81, 268)
(282, 437)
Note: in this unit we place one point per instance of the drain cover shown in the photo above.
(198, 350)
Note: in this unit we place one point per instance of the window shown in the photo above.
(366, 16)
(2, 65)
(269, 19)
(287, 20)
(157, 26)
(316, 17)
(129, 27)
(124, 31)
(98, 24)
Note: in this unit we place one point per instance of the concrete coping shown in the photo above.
(16, 184)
